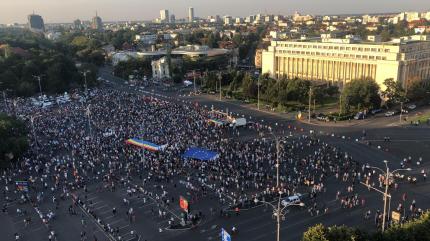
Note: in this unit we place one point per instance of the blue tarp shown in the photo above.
(200, 154)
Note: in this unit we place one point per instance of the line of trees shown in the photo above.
(54, 63)
(413, 90)
(417, 229)
(13, 139)
(284, 92)
(356, 95)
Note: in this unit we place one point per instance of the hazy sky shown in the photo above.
(68, 10)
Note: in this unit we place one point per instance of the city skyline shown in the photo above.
(134, 10)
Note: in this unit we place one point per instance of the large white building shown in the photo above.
(342, 60)
(160, 69)
(146, 38)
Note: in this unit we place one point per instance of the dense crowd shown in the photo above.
(81, 144)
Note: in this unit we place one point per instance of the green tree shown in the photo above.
(298, 90)
(13, 139)
(361, 94)
(249, 87)
(81, 42)
(394, 92)
(140, 67)
(315, 233)
(417, 90)
(343, 233)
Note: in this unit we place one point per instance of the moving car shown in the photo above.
(294, 199)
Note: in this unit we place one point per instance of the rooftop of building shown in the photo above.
(349, 39)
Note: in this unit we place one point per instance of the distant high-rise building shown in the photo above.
(164, 15)
(227, 20)
(35, 23)
(97, 23)
(190, 14)
(77, 24)
(172, 18)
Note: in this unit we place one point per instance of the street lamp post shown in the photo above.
(278, 212)
(387, 175)
(194, 77)
(86, 85)
(401, 112)
(310, 101)
(38, 77)
(88, 113)
(34, 133)
(258, 93)
(277, 160)
(5, 102)
(220, 89)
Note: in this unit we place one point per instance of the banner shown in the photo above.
(183, 203)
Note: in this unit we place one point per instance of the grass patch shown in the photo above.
(421, 118)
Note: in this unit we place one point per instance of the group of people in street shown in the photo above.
(79, 147)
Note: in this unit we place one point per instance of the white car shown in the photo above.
(411, 106)
(389, 113)
(294, 199)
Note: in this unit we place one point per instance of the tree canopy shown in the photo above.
(54, 63)
(13, 139)
(360, 94)
(415, 229)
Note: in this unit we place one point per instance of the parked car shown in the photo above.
(391, 113)
(322, 117)
(375, 111)
(411, 107)
(360, 116)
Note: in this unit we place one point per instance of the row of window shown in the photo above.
(339, 55)
(361, 49)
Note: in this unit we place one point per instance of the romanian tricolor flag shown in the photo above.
(216, 122)
(145, 144)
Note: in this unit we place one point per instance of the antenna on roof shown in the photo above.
(96, 13)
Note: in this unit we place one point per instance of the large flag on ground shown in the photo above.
(183, 203)
(200, 154)
(145, 144)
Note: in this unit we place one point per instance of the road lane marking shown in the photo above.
(103, 206)
(124, 227)
(116, 221)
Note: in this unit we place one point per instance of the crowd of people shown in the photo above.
(82, 143)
